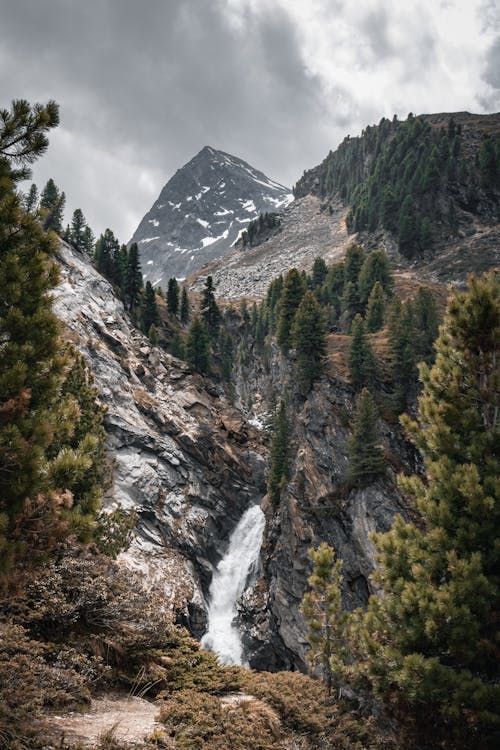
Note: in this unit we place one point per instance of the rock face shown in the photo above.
(317, 505)
(201, 212)
(306, 232)
(185, 458)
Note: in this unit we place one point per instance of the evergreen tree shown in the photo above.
(210, 312)
(43, 461)
(173, 296)
(52, 203)
(362, 367)
(402, 346)
(349, 305)
(106, 248)
(78, 225)
(426, 322)
(375, 308)
(30, 202)
(198, 347)
(319, 272)
(149, 308)
(365, 455)
(291, 295)
(322, 609)
(133, 282)
(279, 469)
(375, 268)
(433, 635)
(184, 306)
(309, 339)
(354, 260)
(88, 241)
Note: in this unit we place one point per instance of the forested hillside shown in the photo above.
(422, 179)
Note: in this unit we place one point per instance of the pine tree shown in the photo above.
(354, 260)
(210, 312)
(308, 337)
(279, 468)
(402, 345)
(52, 203)
(319, 272)
(133, 282)
(375, 268)
(198, 347)
(173, 296)
(30, 202)
(184, 306)
(375, 308)
(46, 455)
(362, 367)
(88, 241)
(426, 322)
(78, 225)
(365, 455)
(433, 635)
(106, 248)
(291, 295)
(322, 609)
(149, 315)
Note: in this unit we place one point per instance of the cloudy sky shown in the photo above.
(144, 85)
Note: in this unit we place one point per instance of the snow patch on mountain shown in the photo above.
(202, 211)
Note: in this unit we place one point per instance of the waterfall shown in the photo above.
(228, 584)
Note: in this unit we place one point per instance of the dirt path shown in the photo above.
(130, 719)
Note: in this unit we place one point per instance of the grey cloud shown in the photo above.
(491, 73)
(153, 82)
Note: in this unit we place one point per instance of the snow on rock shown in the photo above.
(214, 185)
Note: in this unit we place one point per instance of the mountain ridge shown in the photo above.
(201, 212)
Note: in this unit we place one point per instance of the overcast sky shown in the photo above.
(143, 85)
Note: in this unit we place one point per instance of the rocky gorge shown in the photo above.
(190, 460)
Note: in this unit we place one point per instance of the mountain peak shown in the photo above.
(201, 212)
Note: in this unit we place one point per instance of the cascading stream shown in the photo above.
(229, 582)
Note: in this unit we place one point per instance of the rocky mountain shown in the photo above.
(201, 212)
(427, 190)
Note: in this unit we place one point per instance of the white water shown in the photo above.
(228, 584)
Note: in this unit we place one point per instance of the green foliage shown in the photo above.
(365, 454)
(114, 530)
(52, 203)
(432, 637)
(260, 229)
(177, 347)
(51, 440)
(185, 314)
(133, 278)
(376, 308)
(362, 366)
(279, 468)
(319, 272)
(173, 297)
(322, 609)
(289, 300)
(198, 347)
(210, 312)
(403, 354)
(149, 315)
(80, 233)
(375, 269)
(399, 175)
(308, 337)
(107, 258)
